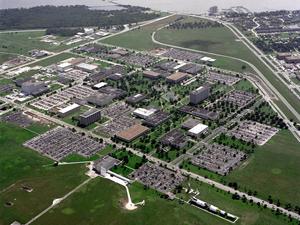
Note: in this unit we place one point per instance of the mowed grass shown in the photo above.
(21, 166)
(222, 41)
(273, 169)
(53, 59)
(22, 42)
(101, 202)
(139, 38)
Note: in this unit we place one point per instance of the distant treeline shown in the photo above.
(194, 25)
(65, 32)
(70, 16)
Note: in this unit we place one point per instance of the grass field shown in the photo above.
(53, 59)
(21, 166)
(102, 200)
(5, 57)
(222, 41)
(23, 42)
(140, 38)
(274, 169)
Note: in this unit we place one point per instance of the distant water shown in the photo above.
(185, 6)
(201, 6)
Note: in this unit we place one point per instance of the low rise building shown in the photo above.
(132, 133)
(198, 130)
(135, 99)
(143, 113)
(89, 117)
(151, 74)
(63, 112)
(90, 68)
(34, 88)
(177, 77)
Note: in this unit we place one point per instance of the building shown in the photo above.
(143, 113)
(99, 85)
(89, 117)
(90, 68)
(101, 166)
(151, 74)
(191, 68)
(190, 123)
(293, 59)
(132, 133)
(175, 138)
(177, 77)
(68, 110)
(156, 118)
(135, 99)
(282, 55)
(100, 99)
(199, 95)
(116, 93)
(197, 130)
(64, 66)
(34, 88)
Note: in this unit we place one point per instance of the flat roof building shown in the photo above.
(89, 117)
(100, 99)
(68, 110)
(151, 74)
(143, 113)
(199, 95)
(34, 88)
(177, 77)
(197, 130)
(104, 164)
(135, 99)
(132, 133)
(87, 67)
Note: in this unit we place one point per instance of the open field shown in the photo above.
(53, 59)
(101, 200)
(5, 57)
(222, 41)
(16, 161)
(272, 168)
(140, 38)
(23, 42)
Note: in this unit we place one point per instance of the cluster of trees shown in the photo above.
(65, 32)
(194, 25)
(266, 116)
(70, 16)
(269, 45)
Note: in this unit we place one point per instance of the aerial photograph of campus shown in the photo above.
(149, 112)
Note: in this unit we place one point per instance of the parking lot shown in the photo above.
(222, 78)
(157, 177)
(251, 131)
(218, 158)
(60, 142)
(78, 92)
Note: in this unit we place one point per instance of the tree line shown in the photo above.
(70, 16)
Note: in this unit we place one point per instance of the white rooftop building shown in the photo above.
(197, 130)
(68, 110)
(143, 113)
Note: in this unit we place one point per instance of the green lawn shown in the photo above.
(103, 200)
(22, 42)
(16, 161)
(139, 38)
(273, 169)
(54, 59)
(5, 57)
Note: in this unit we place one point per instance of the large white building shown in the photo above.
(143, 113)
(197, 130)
